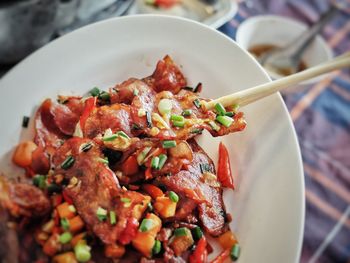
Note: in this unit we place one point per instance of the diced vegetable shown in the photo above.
(82, 252)
(90, 104)
(173, 197)
(155, 162)
(221, 258)
(200, 253)
(165, 106)
(104, 96)
(64, 211)
(109, 138)
(214, 126)
(67, 257)
(168, 144)
(23, 153)
(153, 190)
(229, 114)
(76, 224)
(157, 247)
(48, 226)
(146, 225)
(182, 240)
(181, 151)
(39, 181)
(65, 224)
(142, 155)
(235, 252)
(165, 207)
(227, 240)
(224, 173)
(187, 112)
(162, 160)
(65, 237)
(197, 233)
(112, 218)
(52, 245)
(101, 214)
(114, 251)
(220, 109)
(130, 166)
(197, 103)
(68, 162)
(77, 238)
(125, 200)
(224, 120)
(95, 92)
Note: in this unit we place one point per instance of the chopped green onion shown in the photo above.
(65, 224)
(95, 92)
(103, 160)
(65, 237)
(168, 144)
(25, 121)
(182, 231)
(101, 213)
(142, 155)
(220, 108)
(136, 92)
(149, 119)
(224, 120)
(146, 225)
(235, 252)
(162, 160)
(175, 117)
(214, 126)
(229, 114)
(72, 208)
(155, 162)
(197, 103)
(39, 181)
(86, 146)
(104, 95)
(82, 252)
(187, 112)
(205, 167)
(123, 134)
(165, 106)
(197, 131)
(157, 247)
(68, 162)
(173, 197)
(112, 218)
(125, 200)
(179, 123)
(110, 138)
(197, 233)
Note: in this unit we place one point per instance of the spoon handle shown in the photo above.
(250, 95)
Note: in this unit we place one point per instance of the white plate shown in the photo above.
(268, 204)
(214, 15)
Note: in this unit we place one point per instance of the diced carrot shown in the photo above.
(23, 153)
(139, 209)
(144, 243)
(157, 224)
(41, 237)
(76, 224)
(181, 243)
(153, 190)
(48, 226)
(64, 211)
(227, 239)
(67, 257)
(77, 238)
(130, 166)
(165, 207)
(114, 251)
(52, 245)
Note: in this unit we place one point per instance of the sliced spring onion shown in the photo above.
(125, 200)
(197, 131)
(123, 134)
(104, 95)
(101, 213)
(182, 231)
(205, 167)
(72, 208)
(112, 218)
(168, 144)
(214, 126)
(68, 162)
(157, 247)
(187, 112)
(224, 120)
(39, 181)
(162, 160)
(235, 252)
(173, 197)
(220, 109)
(86, 146)
(155, 162)
(197, 233)
(109, 138)
(179, 123)
(197, 103)
(175, 117)
(230, 114)
(95, 92)
(103, 160)
(142, 155)
(165, 106)
(136, 92)
(149, 119)
(146, 225)
(65, 237)
(82, 252)
(65, 224)
(25, 121)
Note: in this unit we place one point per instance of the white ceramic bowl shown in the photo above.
(279, 31)
(268, 203)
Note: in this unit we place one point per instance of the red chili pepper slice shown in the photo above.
(90, 104)
(200, 253)
(222, 256)
(224, 168)
(129, 232)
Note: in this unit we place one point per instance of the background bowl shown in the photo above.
(268, 203)
(280, 31)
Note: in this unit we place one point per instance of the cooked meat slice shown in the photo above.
(22, 199)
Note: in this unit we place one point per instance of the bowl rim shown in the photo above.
(294, 137)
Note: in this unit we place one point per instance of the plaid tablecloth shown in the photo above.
(321, 115)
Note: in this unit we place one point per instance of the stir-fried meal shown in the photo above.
(118, 175)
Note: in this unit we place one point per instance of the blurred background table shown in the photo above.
(321, 115)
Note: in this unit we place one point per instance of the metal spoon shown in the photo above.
(287, 59)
